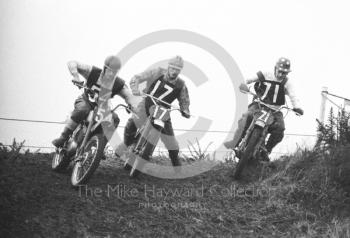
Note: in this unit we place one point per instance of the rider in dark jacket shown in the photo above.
(96, 78)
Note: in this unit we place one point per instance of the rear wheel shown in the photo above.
(248, 153)
(94, 151)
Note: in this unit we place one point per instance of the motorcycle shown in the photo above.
(85, 147)
(148, 135)
(253, 142)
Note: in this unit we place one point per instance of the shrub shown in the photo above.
(335, 131)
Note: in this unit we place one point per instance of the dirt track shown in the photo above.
(36, 202)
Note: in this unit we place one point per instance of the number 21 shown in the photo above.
(268, 86)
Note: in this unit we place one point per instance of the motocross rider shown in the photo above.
(271, 88)
(166, 85)
(96, 79)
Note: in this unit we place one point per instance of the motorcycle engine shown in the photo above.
(71, 147)
(75, 141)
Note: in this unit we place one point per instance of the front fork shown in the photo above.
(81, 149)
(147, 135)
(141, 149)
(247, 134)
(242, 145)
(261, 141)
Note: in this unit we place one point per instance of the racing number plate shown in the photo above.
(262, 118)
(159, 122)
(161, 113)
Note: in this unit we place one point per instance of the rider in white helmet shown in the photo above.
(168, 86)
(272, 89)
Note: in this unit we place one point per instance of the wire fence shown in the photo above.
(123, 126)
(175, 129)
(183, 151)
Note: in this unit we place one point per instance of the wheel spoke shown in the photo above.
(83, 169)
(87, 160)
(78, 172)
(91, 151)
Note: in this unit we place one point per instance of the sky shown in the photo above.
(39, 37)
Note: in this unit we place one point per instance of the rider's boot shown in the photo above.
(264, 153)
(120, 150)
(229, 144)
(232, 145)
(173, 154)
(67, 131)
(239, 133)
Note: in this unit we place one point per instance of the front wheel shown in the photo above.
(93, 152)
(248, 153)
(138, 165)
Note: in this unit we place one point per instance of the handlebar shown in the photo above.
(154, 99)
(258, 100)
(245, 89)
(127, 108)
(80, 86)
(173, 108)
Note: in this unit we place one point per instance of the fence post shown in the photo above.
(324, 93)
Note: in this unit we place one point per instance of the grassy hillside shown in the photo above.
(304, 195)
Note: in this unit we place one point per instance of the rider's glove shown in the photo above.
(298, 111)
(185, 114)
(136, 92)
(78, 82)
